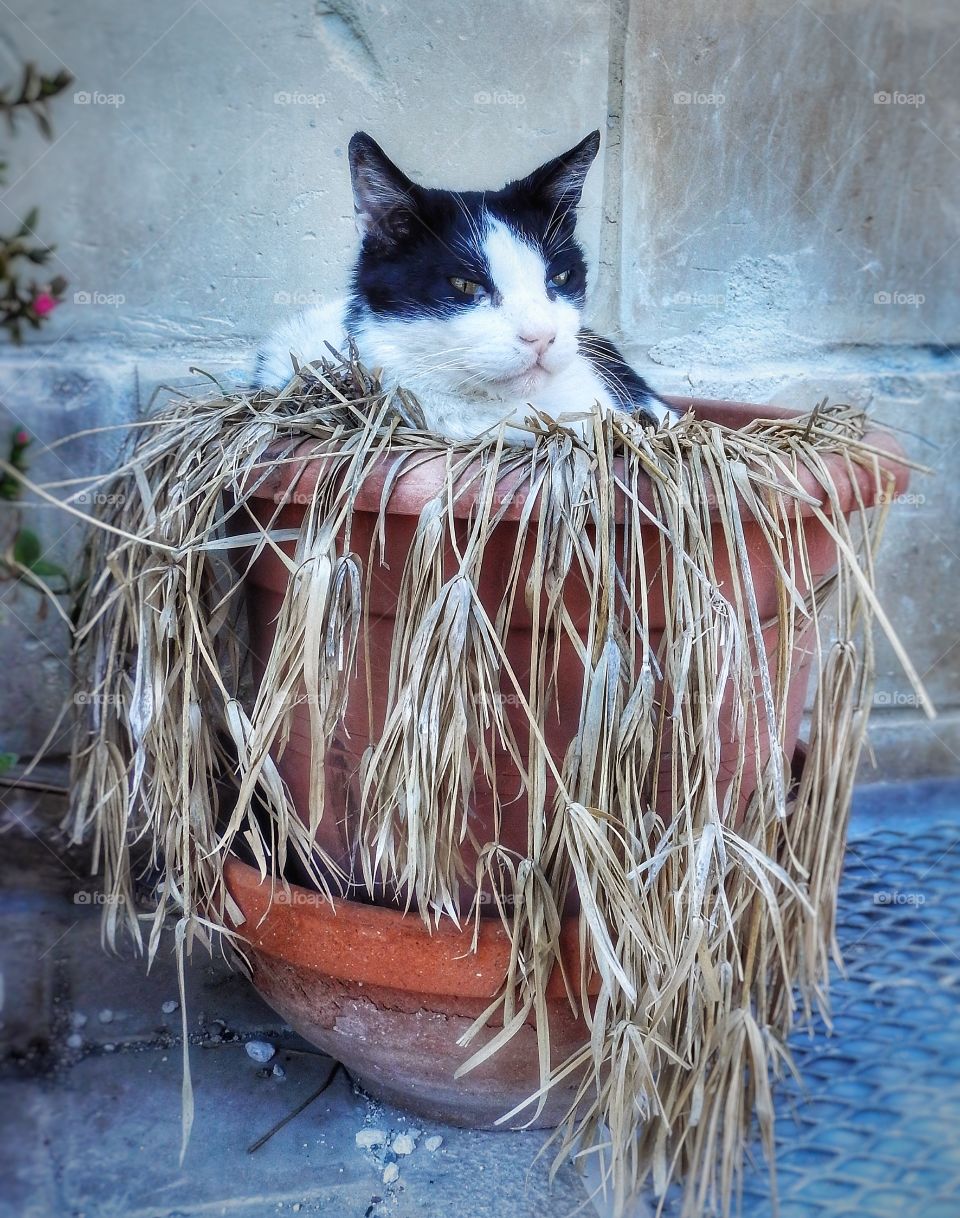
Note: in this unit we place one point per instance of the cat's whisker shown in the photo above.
(433, 365)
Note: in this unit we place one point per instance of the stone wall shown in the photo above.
(774, 218)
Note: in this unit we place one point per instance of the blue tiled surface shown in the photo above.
(873, 1128)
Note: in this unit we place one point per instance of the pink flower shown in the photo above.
(44, 303)
(22, 439)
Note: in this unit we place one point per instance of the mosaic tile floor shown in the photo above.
(874, 1128)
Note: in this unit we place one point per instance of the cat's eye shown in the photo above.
(467, 286)
(558, 280)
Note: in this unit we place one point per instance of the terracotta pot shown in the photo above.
(291, 485)
(368, 984)
(378, 992)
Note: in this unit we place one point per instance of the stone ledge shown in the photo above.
(907, 746)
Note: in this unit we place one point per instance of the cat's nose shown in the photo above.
(540, 340)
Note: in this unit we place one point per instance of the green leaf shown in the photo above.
(27, 550)
(49, 570)
(7, 761)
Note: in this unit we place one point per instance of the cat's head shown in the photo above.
(469, 293)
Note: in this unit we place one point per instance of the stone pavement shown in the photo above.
(90, 1076)
(90, 1065)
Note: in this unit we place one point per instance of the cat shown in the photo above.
(471, 301)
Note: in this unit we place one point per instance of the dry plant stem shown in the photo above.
(697, 928)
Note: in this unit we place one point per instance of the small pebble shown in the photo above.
(170, 1006)
(78, 1019)
(391, 1173)
(74, 1041)
(296, 1207)
(278, 1071)
(434, 1143)
(106, 1015)
(366, 1139)
(109, 1048)
(404, 1144)
(259, 1050)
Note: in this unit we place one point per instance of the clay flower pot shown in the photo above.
(378, 992)
(366, 983)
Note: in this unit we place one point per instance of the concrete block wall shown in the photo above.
(773, 217)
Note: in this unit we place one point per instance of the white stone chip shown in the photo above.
(391, 1173)
(259, 1050)
(368, 1138)
(106, 1015)
(170, 1006)
(434, 1143)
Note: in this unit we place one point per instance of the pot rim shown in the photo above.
(289, 475)
(378, 945)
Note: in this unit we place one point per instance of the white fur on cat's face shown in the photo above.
(503, 348)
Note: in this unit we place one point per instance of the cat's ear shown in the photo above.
(384, 198)
(559, 182)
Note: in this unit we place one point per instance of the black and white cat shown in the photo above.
(471, 301)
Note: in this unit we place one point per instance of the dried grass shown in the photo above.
(704, 934)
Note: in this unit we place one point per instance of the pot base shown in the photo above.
(390, 999)
(403, 1049)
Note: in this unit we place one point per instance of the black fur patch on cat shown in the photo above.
(417, 238)
(627, 386)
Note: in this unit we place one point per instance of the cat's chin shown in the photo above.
(518, 383)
